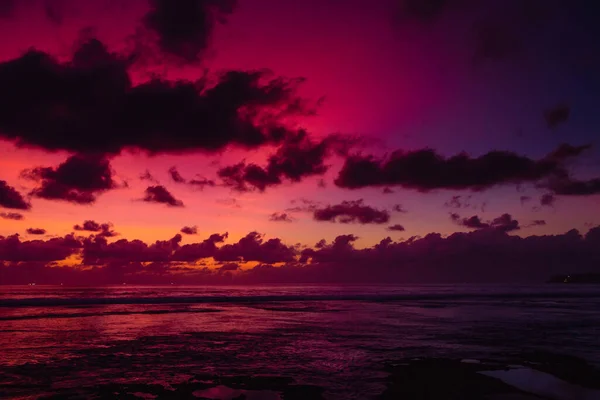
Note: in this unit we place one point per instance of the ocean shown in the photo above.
(76, 342)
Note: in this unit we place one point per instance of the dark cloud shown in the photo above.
(303, 205)
(12, 215)
(351, 212)
(55, 249)
(97, 251)
(229, 267)
(11, 198)
(483, 255)
(503, 223)
(538, 222)
(387, 190)
(299, 157)
(201, 182)
(147, 176)
(176, 176)
(159, 194)
(103, 230)
(399, 208)
(197, 251)
(524, 199)
(397, 228)
(280, 217)
(184, 27)
(6, 8)
(557, 115)
(426, 170)
(190, 230)
(547, 200)
(252, 247)
(89, 104)
(574, 187)
(36, 231)
(79, 179)
(229, 202)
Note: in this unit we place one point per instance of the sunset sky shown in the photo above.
(296, 120)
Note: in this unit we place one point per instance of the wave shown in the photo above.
(101, 314)
(85, 301)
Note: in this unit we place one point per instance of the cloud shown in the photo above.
(89, 104)
(197, 251)
(11, 198)
(159, 194)
(190, 230)
(280, 217)
(399, 208)
(6, 8)
(229, 202)
(538, 222)
(79, 179)
(184, 27)
(147, 176)
(547, 200)
(397, 228)
(97, 251)
(12, 215)
(557, 115)
(503, 223)
(483, 255)
(303, 205)
(36, 231)
(351, 212)
(573, 187)
(426, 170)
(299, 157)
(102, 230)
(176, 176)
(387, 190)
(524, 200)
(201, 182)
(252, 247)
(55, 249)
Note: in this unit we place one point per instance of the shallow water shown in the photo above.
(334, 337)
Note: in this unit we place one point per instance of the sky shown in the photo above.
(220, 141)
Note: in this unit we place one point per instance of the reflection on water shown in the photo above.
(333, 337)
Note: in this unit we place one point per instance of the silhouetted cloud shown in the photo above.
(426, 170)
(103, 230)
(299, 157)
(197, 251)
(79, 179)
(399, 208)
(36, 231)
(574, 187)
(538, 222)
(504, 223)
(201, 182)
(351, 212)
(176, 176)
(387, 190)
(396, 227)
(55, 249)
(557, 115)
(524, 199)
(12, 215)
(484, 255)
(190, 230)
(547, 200)
(303, 205)
(280, 217)
(184, 27)
(147, 176)
(159, 194)
(11, 198)
(89, 104)
(252, 247)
